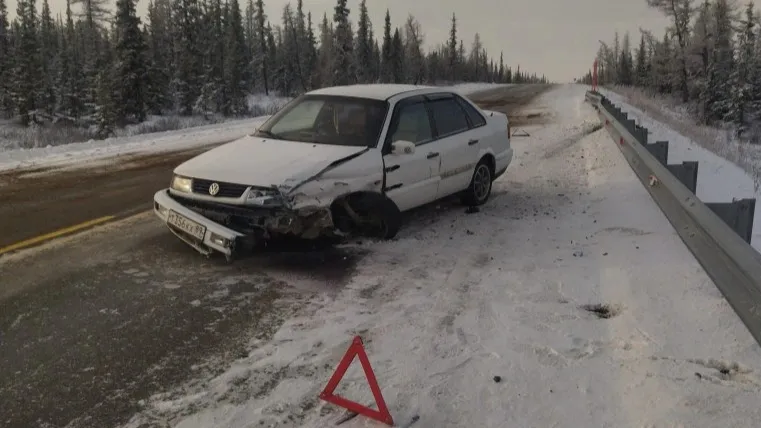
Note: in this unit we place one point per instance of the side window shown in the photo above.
(475, 117)
(449, 117)
(412, 125)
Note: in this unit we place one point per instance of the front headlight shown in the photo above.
(182, 184)
(264, 197)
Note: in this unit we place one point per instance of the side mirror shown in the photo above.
(401, 147)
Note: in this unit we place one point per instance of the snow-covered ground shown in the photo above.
(719, 179)
(83, 153)
(471, 88)
(62, 155)
(457, 300)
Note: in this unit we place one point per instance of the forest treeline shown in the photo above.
(708, 58)
(93, 66)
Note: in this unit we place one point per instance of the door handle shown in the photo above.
(472, 142)
(432, 155)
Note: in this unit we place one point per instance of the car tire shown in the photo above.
(479, 189)
(384, 213)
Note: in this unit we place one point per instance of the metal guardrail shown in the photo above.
(717, 234)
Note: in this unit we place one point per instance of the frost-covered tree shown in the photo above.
(721, 65)
(680, 13)
(159, 63)
(626, 63)
(413, 51)
(130, 72)
(397, 58)
(235, 62)
(387, 68)
(48, 54)
(452, 53)
(364, 44)
(187, 61)
(105, 68)
(262, 55)
(326, 52)
(743, 77)
(6, 64)
(640, 67)
(344, 70)
(25, 89)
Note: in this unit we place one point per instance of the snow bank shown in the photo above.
(262, 104)
(460, 301)
(471, 88)
(719, 180)
(154, 143)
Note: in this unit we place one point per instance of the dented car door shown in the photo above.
(412, 179)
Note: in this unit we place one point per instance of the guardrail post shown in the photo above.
(687, 173)
(629, 124)
(659, 150)
(737, 214)
(640, 133)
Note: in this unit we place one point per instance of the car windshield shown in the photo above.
(323, 119)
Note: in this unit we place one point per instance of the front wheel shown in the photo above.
(479, 190)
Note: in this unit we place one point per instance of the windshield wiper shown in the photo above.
(269, 134)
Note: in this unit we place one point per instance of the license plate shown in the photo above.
(186, 225)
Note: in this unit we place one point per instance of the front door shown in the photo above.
(412, 179)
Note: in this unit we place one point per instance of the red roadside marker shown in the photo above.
(357, 349)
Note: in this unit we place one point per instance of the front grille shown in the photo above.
(226, 190)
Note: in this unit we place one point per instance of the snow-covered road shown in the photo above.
(461, 298)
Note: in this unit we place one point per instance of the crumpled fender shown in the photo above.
(320, 193)
(339, 178)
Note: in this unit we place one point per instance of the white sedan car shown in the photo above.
(337, 161)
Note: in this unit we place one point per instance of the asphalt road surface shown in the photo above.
(100, 318)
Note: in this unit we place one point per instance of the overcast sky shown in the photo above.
(558, 38)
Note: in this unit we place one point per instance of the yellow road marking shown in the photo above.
(56, 234)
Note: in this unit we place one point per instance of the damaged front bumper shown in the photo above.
(208, 226)
(196, 230)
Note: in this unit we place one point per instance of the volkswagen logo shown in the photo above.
(213, 189)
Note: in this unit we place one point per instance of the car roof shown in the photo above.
(376, 91)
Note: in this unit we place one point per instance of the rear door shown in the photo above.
(411, 179)
(457, 143)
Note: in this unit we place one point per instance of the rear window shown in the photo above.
(449, 116)
(475, 117)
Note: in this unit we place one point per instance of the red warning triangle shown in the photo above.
(357, 349)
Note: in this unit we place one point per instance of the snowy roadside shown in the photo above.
(188, 138)
(719, 177)
(458, 300)
(158, 142)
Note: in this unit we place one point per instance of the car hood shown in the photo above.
(265, 162)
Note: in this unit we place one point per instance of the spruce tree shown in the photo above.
(48, 54)
(742, 76)
(344, 71)
(452, 51)
(130, 72)
(27, 61)
(187, 54)
(640, 69)
(262, 54)
(364, 47)
(397, 58)
(387, 68)
(6, 64)
(235, 62)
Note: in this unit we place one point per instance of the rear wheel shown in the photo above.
(479, 190)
